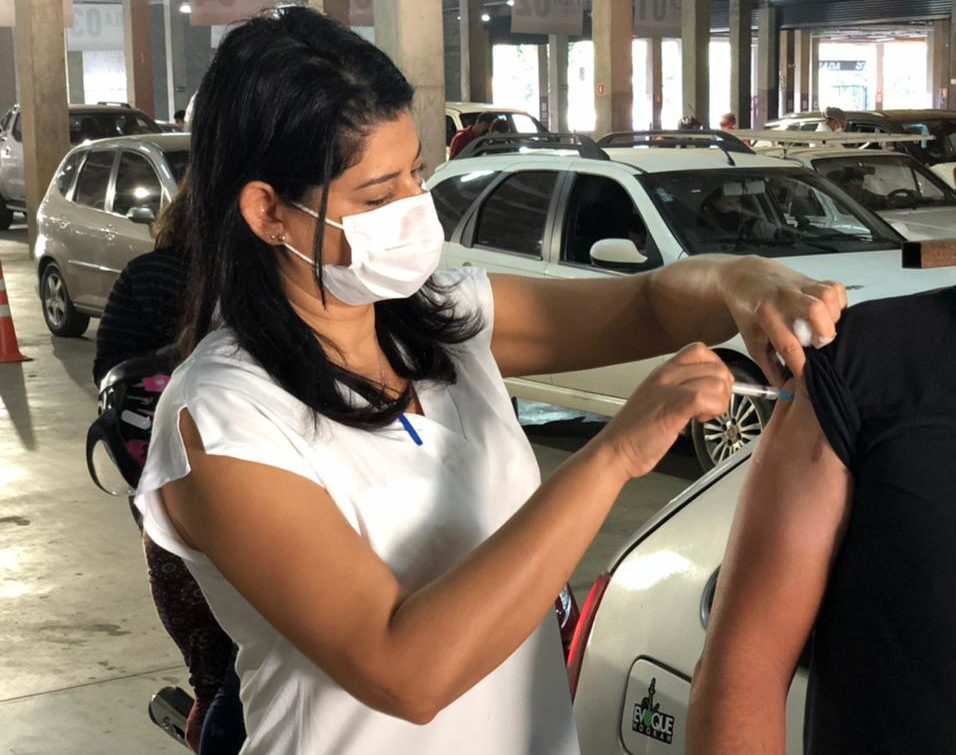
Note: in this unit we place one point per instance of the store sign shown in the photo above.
(548, 17)
(657, 18)
(8, 13)
(96, 27)
(210, 12)
(842, 65)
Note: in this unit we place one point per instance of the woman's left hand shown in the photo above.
(766, 299)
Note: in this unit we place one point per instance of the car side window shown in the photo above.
(5, 121)
(513, 218)
(17, 128)
(94, 179)
(601, 208)
(136, 185)
(67, 172)
(454, 196)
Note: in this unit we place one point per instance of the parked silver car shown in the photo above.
(87, 123)
(96, 217)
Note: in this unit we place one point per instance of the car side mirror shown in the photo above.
(611, 252)
(141, 215)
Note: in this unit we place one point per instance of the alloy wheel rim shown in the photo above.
(728, 433)
(55, 300)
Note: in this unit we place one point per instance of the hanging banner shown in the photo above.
(361, 13)
(8, 13)
(96, 27)
(212, 12)
(657, 18)
(548, 17)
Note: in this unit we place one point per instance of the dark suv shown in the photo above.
(87, 123)
(938, 153)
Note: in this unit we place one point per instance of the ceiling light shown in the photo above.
(485, 17)
(185, 8)
(511, 3)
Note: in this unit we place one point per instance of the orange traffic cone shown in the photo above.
(9, 350)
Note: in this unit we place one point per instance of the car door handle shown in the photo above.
(466, 264)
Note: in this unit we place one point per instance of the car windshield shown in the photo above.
(178, 161)
(103, 125)
(942, 148)
(886, 182)
(770, 212)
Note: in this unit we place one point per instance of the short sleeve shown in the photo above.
(833, 401)
(253, 425)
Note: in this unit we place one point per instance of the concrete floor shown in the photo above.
(81, 648)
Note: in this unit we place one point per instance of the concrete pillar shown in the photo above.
(880, 58)
(695, 58)
(410, 31)
(939, 51)
(41, 59)
(543, 106)
(787, 71)
(137, 49)
(741, 69)
(655, 79)
(74, 76)
(814, 73)
(611, 25)
(475, 53)
(8, 70)
(768, 84)
(558, 82)
(801, 54)
(950, 70)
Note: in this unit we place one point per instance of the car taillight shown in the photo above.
(583, 629)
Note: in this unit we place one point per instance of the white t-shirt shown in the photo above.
(422, 509)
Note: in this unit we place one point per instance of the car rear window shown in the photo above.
(103, 125)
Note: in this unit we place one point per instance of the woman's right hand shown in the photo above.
(693, 384)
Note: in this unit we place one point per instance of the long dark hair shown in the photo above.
(288, 100)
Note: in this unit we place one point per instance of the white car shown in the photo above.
(577, 210)
(459, 115)
(642, 628)
(900, 189)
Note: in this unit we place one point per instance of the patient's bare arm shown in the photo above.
(787, 528)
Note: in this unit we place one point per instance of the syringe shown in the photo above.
(761, 391)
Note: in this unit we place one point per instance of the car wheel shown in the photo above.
(58, 311)
(6, 215)
(721, 437)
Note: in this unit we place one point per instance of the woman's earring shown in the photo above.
(281, 238)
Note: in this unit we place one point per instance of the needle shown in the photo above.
(761, 391)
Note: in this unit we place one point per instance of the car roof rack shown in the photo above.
(115, 104)
(787, 140)
(498, 144)
(722, 140)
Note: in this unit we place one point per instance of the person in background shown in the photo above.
(500, 126)
(179, 117)
(141, 317)
(834, 121)
(842, 542)
(728, 122)
(337, 458)
(466, 136)
(689, 123)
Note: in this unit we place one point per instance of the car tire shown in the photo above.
(60, 315)
(6, 215)
(723, 436)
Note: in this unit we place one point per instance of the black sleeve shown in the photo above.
(832, 396)
(141, 310)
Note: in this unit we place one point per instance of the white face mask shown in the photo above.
(395, 249)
